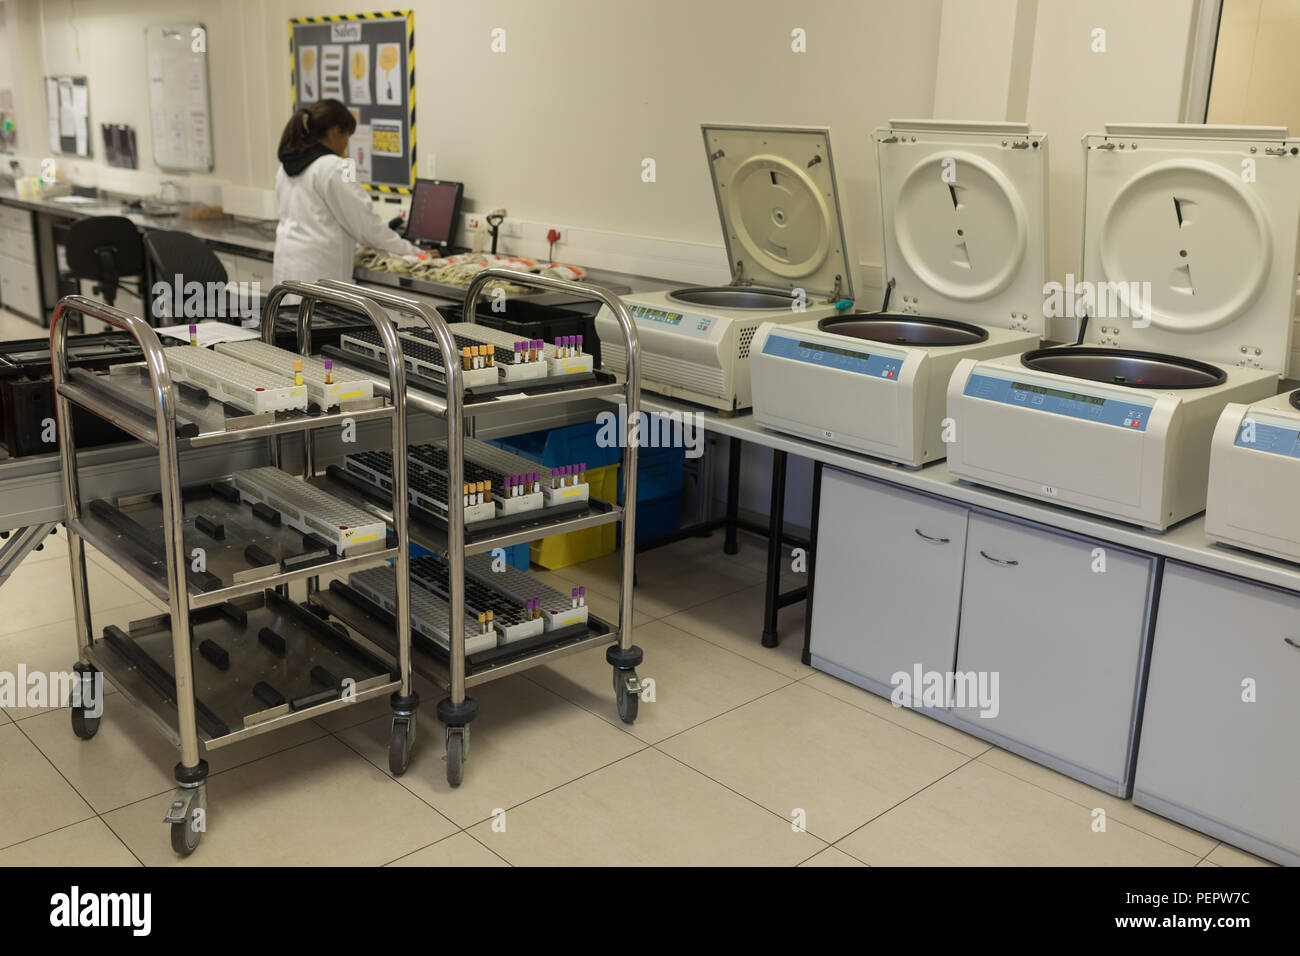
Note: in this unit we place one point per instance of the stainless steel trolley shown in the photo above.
(457, 710)
(246, 565)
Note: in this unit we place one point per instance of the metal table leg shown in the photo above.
(775, 525)
(730, 546)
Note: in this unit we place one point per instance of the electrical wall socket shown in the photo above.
(511, 228)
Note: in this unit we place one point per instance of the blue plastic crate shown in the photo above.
(562, 446)
(656, 517)
(658, 473)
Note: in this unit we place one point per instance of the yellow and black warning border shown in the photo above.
(409, 16)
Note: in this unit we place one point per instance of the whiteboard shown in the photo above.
(179, 108)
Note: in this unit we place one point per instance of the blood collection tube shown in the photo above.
(297, 371)
(329, 371)
(194, 335)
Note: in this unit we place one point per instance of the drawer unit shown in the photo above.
(19, 288)
(889, 583)
(1210, 757)
(1066, 636)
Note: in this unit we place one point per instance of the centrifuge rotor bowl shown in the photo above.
(1125, 367)
(904, 330)
(730, 297)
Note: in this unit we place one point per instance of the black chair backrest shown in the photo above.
(105, 249)
(180, 254)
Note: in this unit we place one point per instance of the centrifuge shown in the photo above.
(964, 211)
(790, 253)
(1254, 476)
(1189, 264)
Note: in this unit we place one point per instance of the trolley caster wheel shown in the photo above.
(401, 741)
(83, 725)
(187, 817)
(627, 693)
(456, 753)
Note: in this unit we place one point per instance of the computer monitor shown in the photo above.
(435, 213)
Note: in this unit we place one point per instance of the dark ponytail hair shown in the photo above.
(309, 123)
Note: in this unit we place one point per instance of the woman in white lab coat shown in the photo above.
(324, 212)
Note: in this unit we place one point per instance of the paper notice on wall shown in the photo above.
(308, 82)
(388, 78)
(359, 75)
(67, 122)
(52, 113)
(198, 85)
(386, 137)
(331, 72)
(359, 153)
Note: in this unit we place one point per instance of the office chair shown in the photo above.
(178, 257)
(105, 249)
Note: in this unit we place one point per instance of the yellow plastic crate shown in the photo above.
(562, 550)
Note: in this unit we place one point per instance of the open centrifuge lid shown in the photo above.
(1207, 216)
(964, 211)
(780, 208)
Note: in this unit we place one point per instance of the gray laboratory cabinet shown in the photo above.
(1211, 757)
(888, 590)
(904, 579)
(1063, 621)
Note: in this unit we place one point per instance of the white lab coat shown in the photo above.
(322, 218)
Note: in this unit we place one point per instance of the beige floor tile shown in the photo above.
(735, 621)
(460, 849)
(798, 748)
(981, 816)
(903, 716)
(318, 804)
(526, 740)
(1117, 809)
(88, 843)
(129, 760)
(1208, 863)
(693, 681)
(1225, 855)
(832, 857)
(41, 593)
(646, 810)
(52, 648)
(34, 799)
(689, 588)
(4, 718)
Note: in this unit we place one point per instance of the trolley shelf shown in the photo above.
(430, 532)
(425, 394)
(260, 662)
(251, 553)
(430, 659)
(124, 398)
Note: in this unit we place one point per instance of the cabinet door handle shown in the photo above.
(931, 538)
(1293, 642)
(1002, 561)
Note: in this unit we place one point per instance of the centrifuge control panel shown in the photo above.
(685, 323)
(1043, 398)
(832, 356)
(1274, 439)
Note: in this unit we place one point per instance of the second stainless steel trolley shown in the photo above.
(453, 670)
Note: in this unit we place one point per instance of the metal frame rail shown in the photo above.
(457, 710)
(169, 699)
